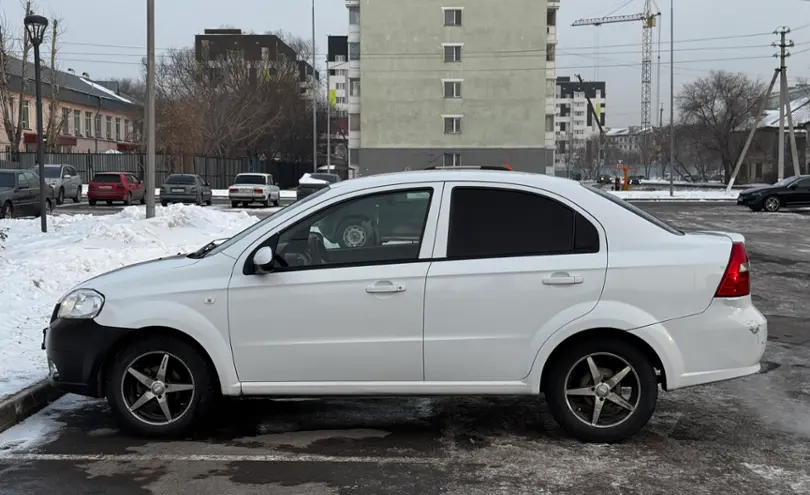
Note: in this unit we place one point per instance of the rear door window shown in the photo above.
(185, 180)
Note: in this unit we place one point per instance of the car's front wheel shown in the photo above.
(7, 211)
(78, 197)
(601, 390)
(160, 387)
(772, 204)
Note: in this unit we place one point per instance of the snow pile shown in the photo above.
(307, 179)
(36, 269)
(217, 193)
(694, 195)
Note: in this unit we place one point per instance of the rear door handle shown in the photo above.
(567, 280)
(385, 288)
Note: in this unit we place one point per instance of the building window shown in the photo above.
(109, 127)
(77, 122)
(340, 58)
(452, 160)
(452, 89)
(551, 53)
(452, 53)
(452, 124)
(88, 124)
(127, 131)
(354, 122)
(98, 126)
(354, 51)
(354, 16)
(26, 124)
(64, 124)
(354, 87)
(340, 100)
(342, 73)
(354, 156)
(549, 122)
(117, 129)
(452, 17)
(340, 86)
(205, 46)
(551, 17)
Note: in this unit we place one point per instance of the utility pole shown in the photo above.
(314, 99)
(328, 117)
(784, 103)
(150, 108)
(671, 98)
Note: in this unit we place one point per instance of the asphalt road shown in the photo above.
(749, 436)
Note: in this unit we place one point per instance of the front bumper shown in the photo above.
(76, 351)
(749, 201)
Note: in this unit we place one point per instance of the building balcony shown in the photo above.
(551, 106)
(552, 4)
(354, 104)
(354, 68)
(550, 139)
(353, 36)
(551, 67)
(354, 140)
(551, 34)
(354, 31)
(356, 3)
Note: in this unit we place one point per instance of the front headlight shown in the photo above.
(81, 304)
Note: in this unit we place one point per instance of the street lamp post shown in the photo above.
(314, 99)
(672, 98)
(35, 26)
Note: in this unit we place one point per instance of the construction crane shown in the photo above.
(648, 22)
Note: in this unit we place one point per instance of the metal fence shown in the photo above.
(217, 171)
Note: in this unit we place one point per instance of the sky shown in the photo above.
(108, 38)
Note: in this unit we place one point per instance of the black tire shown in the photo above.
(194, 405)
(355, 223)
(143, 199)
(78, 197)
(571, 360)
(109, 202)
(277, 202)
(208, 202)
(163, 203)
(92, 202)
(128, 199)
(60, 198)
(234, 204)
(7, 211)
(771, 204)
(245, 204)
(266, 203)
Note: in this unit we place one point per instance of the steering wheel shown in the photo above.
(317, 248)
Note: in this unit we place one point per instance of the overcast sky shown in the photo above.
(107, 37)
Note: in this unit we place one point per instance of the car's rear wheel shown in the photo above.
(160, 387)
(164, 203)
(772, 204)
(601, 390)
(355, 232)
(92, 202)
(78, 197)
(7, 211)
(208, 202)
(245, 203)
(128, 199)
(60, 198)
(234, 204)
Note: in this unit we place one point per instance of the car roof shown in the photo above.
(251, 173)
(9, 170)
(559, 184)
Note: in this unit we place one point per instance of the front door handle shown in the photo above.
(385, 287)
(563, 280)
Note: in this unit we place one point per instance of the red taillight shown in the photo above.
(233, 189)
(258, 191)
(736, 281)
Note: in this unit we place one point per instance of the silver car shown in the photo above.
(65, 181)
(185, 188)
(250, 188)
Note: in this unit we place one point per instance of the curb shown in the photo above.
(26, 402)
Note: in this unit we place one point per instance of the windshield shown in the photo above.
(50, 172)
(241, 235)
(6, 180)
(181, 179)
(250, 179)
(634, 209)
(786, 181)
(107, 178)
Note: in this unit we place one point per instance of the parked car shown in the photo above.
(454, 311)
(604, 179)
(19, 194)
(65, 181)
(254, 188)
(791, 192)
(635, 180)
(311, 183)
(186, 188)
(116, 186)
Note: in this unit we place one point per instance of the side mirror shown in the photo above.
(68, 176)
(263, 259)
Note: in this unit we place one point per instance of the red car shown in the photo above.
(116, 186)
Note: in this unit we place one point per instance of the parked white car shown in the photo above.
(515, 284)
(254, 188)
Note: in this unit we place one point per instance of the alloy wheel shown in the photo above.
(602, 390)
(354, 236)
(772, 204)
(158, 388)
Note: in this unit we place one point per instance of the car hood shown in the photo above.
(146, 272)
(754, 190)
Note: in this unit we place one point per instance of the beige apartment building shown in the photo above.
(455, 82)
(93, 117)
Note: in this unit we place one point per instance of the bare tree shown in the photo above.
(12, 94)
(718, 105)
(57, 120)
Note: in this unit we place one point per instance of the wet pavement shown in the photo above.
(748, 436)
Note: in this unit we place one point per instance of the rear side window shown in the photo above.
(634, 209)
(107, 178)
(491, 222)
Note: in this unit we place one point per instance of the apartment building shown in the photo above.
(263, 53)
(467, 82)
(93, 116)
(574, 123)
(337, 62)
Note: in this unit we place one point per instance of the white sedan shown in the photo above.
(250, 188)
(505, 284)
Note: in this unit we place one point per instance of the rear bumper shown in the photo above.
(178, 198)
(726, 341)
(248, 197)
(112, 195)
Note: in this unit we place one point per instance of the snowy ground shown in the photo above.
(681, 195)
(36, 270)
